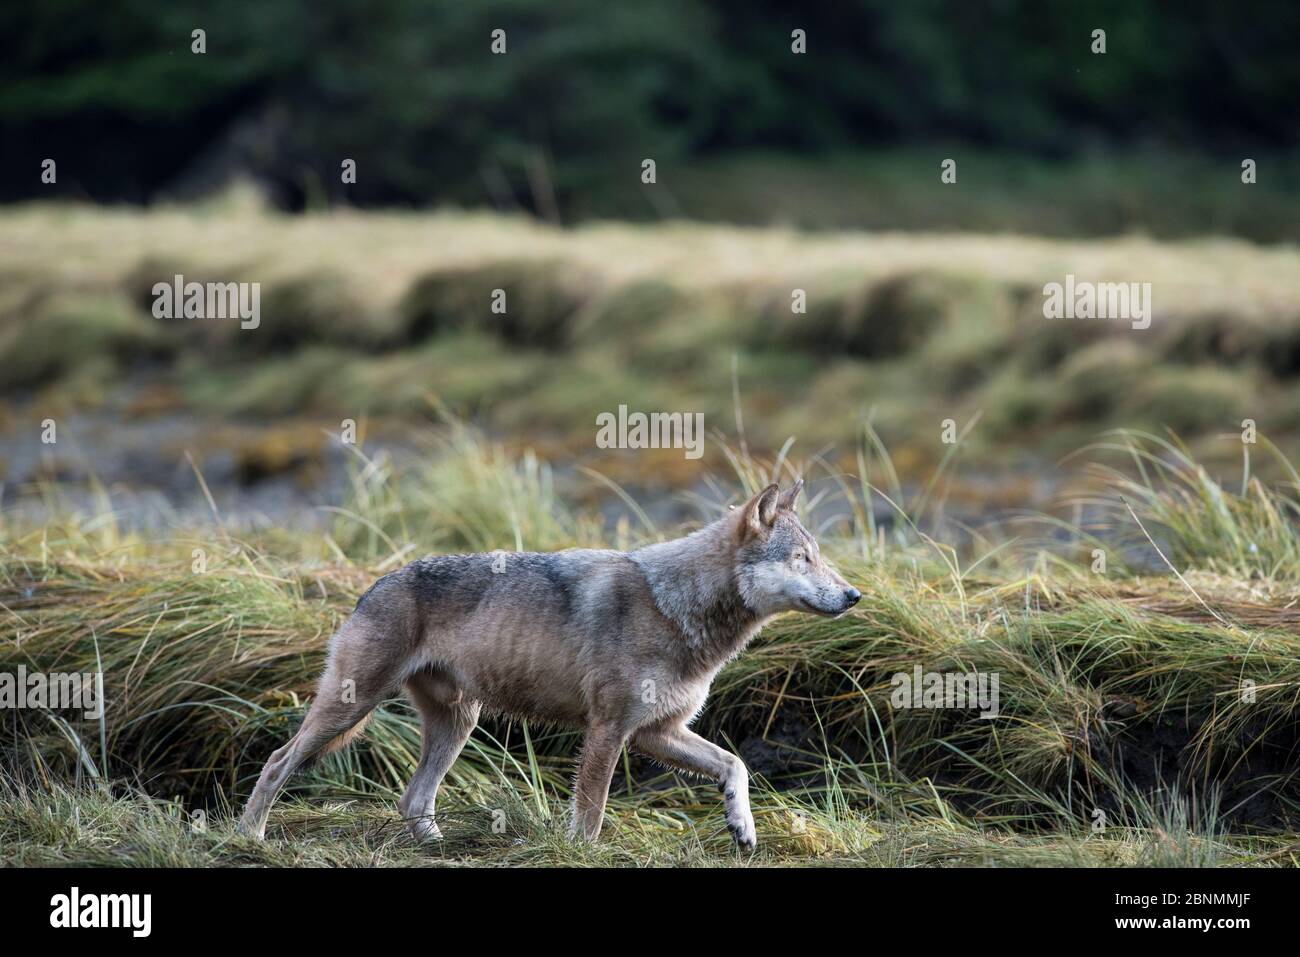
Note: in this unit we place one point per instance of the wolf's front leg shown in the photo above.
(680, 747)
(600, 750)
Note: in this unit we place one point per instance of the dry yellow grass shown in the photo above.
(80, 246)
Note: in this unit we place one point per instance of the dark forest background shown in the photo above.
(411, 91)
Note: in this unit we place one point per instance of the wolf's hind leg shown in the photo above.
(447, 720)
(354, 682)
(326, 720)
(678, 746)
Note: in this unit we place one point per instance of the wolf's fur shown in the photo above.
(621, 644)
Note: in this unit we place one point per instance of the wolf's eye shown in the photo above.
(799, 555)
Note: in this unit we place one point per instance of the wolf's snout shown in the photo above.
(851, 596)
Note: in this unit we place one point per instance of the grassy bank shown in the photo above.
(1164, 706)
(365, 315)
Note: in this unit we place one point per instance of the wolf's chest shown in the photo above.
(683, 699)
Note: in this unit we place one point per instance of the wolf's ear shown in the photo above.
(759, 512)
(790, 496)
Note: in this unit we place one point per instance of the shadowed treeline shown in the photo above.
(560, 122)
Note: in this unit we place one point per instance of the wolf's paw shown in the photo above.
(741, 826)
(424, 830)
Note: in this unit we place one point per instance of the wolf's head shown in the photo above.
(778, 564)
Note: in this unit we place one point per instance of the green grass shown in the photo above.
(92, 827)
(1121, 692)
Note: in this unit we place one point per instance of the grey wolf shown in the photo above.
(623, 645)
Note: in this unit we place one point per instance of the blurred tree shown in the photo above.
(411, 91)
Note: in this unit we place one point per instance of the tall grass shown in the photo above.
(1120, 693)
